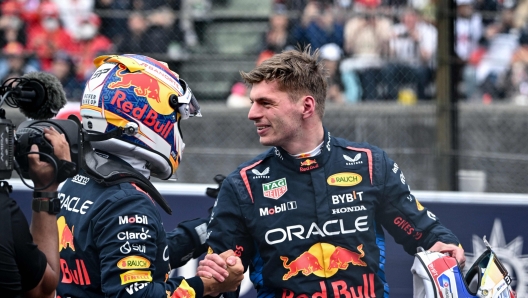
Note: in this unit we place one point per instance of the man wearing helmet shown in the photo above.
(111, 238)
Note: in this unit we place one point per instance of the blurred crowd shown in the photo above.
(387, 49)
(64, 36)
(373, 49)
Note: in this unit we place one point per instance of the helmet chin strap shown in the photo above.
(130, 129)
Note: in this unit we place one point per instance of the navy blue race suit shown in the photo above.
(312, 227)
(112, 243)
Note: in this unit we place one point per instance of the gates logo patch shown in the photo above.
(275, 189)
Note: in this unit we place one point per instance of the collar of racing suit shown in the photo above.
(108, 170)
(305, 165)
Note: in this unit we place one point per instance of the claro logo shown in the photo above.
(344, 179)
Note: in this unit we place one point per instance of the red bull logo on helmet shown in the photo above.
(65, 234)
(142, 83)
(147, 116)
(144, 78)
(313, 260)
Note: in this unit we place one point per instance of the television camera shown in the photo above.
(39, 96)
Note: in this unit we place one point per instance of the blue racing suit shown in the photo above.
(312, 227)
(112, 243)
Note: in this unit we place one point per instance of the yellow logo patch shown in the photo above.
(418, 205)
(133, 262)
(134, 276)
(344, 179)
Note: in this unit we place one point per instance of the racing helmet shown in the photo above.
(437, 275)
(143, 97)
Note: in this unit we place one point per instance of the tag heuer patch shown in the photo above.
(275, 189)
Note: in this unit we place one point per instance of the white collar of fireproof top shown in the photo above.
(314, 152)
(137, 164)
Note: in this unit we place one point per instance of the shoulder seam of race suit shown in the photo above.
(243, 175)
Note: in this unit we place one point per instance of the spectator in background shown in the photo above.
(134, 42)
(490, 73)
(113, 25)
(12, 25)
(146, 36)
(468, 32)
(238, 98)
(277, 37)
(15, 61)
(331, 57)
(163, 32)
(518, 77)
(88, 45)
(366, 45)
(49, 36)
(318, 26)
(72, 13)
(64, 69)
(412, 56)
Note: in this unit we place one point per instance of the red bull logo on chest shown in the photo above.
(313, 260)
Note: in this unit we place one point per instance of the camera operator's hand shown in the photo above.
(41, 172)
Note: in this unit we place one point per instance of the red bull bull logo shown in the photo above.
(309, 262)
(308, 165)
(305, 263)
(308, 162)
(341, 257)
(144, 85)
(65, 234)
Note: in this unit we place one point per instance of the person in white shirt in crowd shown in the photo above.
(412, 57)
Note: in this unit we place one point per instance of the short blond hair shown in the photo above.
(297, 72)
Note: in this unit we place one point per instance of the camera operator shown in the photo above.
(29, 258)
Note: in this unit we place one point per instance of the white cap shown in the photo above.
(331, 51)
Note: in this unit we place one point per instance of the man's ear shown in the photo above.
(308, 106)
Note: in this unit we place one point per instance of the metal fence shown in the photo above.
(391, 79)
(491, 156)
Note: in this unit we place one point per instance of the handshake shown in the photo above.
(220, 273)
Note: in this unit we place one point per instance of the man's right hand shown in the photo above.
(212, 272)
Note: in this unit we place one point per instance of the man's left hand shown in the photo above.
(453, 250)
